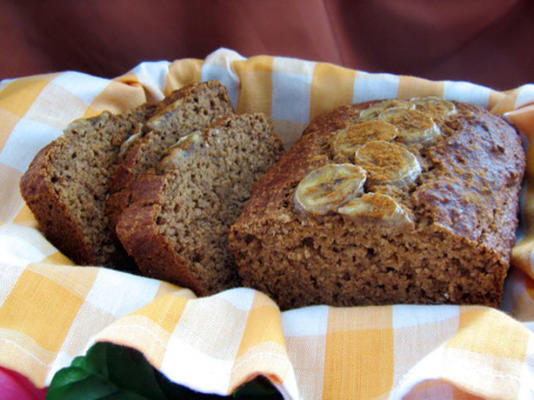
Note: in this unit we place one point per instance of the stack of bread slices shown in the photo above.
(155, 188)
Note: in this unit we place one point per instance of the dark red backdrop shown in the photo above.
(484, 41)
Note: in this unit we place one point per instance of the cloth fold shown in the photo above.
(52, 311)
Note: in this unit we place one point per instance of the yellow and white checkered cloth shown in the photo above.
(51, 311)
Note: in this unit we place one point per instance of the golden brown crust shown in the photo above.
(506, 172)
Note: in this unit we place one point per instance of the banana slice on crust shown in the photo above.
(327, 188)
(374, 110)
(414, 126)
(388, 163)
(434, 106)
(180, 150)
(347, 141)
(378, 206)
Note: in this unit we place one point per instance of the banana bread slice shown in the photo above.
(66, 186)
(177, 225)
(389, 202)
(184, 111)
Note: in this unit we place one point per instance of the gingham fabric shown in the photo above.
(52, 311)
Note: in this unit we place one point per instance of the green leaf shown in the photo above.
(112, 372)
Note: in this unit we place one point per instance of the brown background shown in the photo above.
(483, 41)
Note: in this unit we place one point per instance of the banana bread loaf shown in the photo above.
(386, 202)
(66, 186)
(177, 225)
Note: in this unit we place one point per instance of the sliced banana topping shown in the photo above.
(347, 141)
(180, 150)
(327, 188)
(377, 206)
(163, 114)
(374, 110)
(388, 163)
(413, 125)
(128, 142)
(434, 106)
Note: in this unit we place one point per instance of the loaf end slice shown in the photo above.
(66, 186)
(177, 225)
